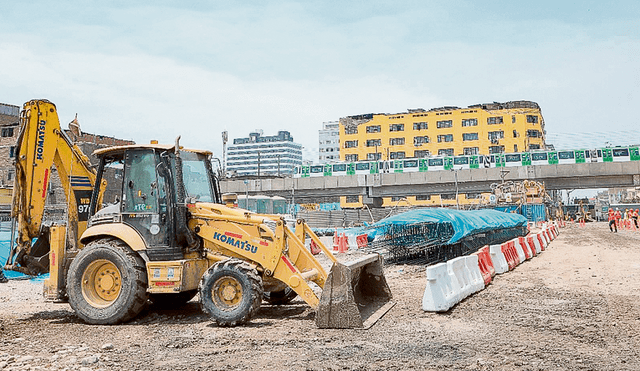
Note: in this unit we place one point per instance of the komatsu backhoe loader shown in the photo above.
(168, 238)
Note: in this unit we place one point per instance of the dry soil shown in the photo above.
(573, 307)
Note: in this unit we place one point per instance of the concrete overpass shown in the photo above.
(555, 177)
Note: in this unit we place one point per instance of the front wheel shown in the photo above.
(107, 283)
(231, 292)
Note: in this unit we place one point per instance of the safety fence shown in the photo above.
(448, 283)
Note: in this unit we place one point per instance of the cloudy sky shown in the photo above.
(164, 69)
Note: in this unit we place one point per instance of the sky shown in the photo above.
(156, 70)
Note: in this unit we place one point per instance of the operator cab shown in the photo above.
(147, 193)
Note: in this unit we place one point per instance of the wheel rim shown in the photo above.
(101, 283)
(227, 293)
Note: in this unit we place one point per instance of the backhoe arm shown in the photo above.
(41, 144)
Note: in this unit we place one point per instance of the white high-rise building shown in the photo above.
(264, 155)
(329, 141)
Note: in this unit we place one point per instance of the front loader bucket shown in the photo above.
(355, 294)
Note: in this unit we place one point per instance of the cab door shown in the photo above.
(145, 198)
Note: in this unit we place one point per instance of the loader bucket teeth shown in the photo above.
(355, 294)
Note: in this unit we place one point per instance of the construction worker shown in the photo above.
(635, 218)
(618, 217)
(612, 221)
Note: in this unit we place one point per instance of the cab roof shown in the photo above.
(118, 150)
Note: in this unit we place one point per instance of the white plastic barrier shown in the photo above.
(545, 234)
(521, 256)
(458, 270)
(536, 243)
(477, 282)
(440, 294)
(497, 258)
(526, 247)
(545, 241)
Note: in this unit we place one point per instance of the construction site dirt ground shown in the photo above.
(574, 307)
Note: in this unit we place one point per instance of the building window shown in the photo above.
(423, 197)
(534, 134)
(515, 148)
(373, 129)
(10, 175)
(423, 153)
(445, 152)
(444, 124)
(470, 122)
(351, 158)
(396, 127)
(469, 136)
(397, 155)
(374, 156)
(494, 120)
(374, 142)
(351, 130)
(445, 138)
(494, 136)
(496, 149)
(534, 146)
(420, 126)
(396, 141)
(448, 196)
(12, 152)
(7, 132)
(532, 119)
(350, 144)
(352, 199)
(513, 119)
(470, 151)
(420, 140)
(515, 134)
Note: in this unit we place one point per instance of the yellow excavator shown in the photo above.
(168, 237)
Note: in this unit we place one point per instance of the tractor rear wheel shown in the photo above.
(231, 292)
(107, 283)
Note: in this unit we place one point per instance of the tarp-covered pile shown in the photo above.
(440, 234)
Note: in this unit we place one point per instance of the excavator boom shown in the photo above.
(41, 145)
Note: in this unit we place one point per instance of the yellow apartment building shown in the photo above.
(516, 126)
(478, 129)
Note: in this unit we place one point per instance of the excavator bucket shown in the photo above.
(355, 294)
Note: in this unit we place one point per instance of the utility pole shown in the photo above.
(225, 139)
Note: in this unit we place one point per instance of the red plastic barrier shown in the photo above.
(343, 244)
(336, 240)
(362, 241)
(548, 232)
(510, 253)
(541, 240)
(532, 245)
(486, 265)
(315, 250)
(525, 248)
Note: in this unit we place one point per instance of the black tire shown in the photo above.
(170, 301)
(281, 297)
(123, 293)
(231, 292)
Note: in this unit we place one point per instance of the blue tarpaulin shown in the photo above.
(464, 223)
(5, 238)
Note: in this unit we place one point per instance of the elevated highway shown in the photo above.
(555, 177)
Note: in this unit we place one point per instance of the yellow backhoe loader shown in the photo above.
(169, 237)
